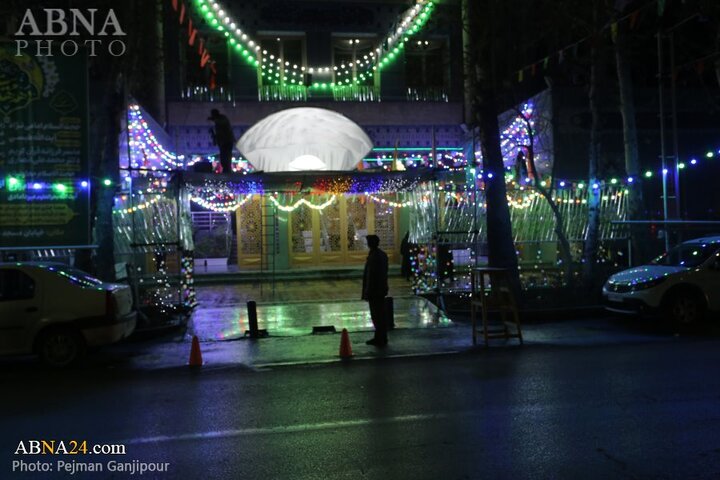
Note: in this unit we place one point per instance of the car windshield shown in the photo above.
(77, 277)
(689, 255)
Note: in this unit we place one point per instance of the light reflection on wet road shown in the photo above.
(231, 321)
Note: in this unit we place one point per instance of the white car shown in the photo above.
(57, 311)
(683, 284)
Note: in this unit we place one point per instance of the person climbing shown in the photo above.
(223, 137)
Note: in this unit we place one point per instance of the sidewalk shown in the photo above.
(230, 322)
(220, 322)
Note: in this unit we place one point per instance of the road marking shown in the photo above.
(307, 427)
(269, 365)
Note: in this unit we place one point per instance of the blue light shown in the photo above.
(665, 171)
(596, 185)
(693, 162)
(562, 183)
(84, 184)
(490, 175)
(37, 186)
(630, 179)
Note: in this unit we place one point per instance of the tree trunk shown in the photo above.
(106, 116)
(565, 253)
(593, 224)
(469, 56)
(501, 247)
(115, 108)
(635, 202)
(157, 68)
(109, 79)
(479, 59)
(107, 107)
(145, 71)
(717, 61)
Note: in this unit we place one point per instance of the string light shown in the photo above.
(522, 201)
(221, 207)
(389, 202)
(135, 208)
(302, 201)
(271, 68)
(145, 149)
(187, 282)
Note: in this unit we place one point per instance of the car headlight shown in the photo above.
(644, 285)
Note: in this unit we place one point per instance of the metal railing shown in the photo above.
(209, 220)
(202, 93)
(301, 93)
(661, 235)
(356, 93)
(427, 94)
(293, 93)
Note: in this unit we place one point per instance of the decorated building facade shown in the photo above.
(394, 69)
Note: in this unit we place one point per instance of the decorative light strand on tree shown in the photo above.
(187, 281)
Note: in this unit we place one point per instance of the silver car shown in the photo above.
(683, 284)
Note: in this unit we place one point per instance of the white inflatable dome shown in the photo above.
(300, 139)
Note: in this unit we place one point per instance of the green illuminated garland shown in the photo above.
(278, 72)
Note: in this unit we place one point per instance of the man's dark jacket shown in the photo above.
(223, 130)
(375, 276)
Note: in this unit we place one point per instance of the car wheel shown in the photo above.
(60, 347)
(685, 308)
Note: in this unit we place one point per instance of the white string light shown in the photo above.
(221, 207)
(144, 146)
(133, 209)
(302, 201)
(389, 202)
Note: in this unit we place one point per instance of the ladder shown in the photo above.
(492, 292)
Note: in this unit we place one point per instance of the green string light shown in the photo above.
(415, 21)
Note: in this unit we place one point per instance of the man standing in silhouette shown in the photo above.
(375, 288)
(223, 137)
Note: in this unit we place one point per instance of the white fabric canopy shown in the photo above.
(304, 139)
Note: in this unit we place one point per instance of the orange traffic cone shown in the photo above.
(195, 353)
(345, 347)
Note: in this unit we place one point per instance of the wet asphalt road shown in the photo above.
(645, 410)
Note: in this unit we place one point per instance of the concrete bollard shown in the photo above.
(252, 319)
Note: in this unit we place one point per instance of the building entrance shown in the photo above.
(324, 230)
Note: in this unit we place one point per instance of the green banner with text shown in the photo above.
(44, 171)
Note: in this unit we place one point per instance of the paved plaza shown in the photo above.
(296, 306)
